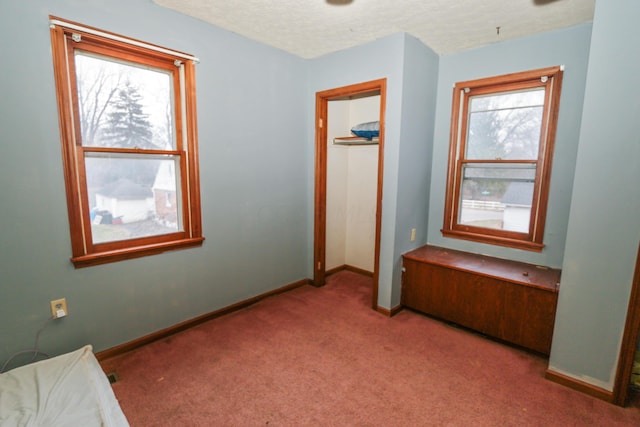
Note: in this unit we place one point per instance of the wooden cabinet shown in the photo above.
(508, 300)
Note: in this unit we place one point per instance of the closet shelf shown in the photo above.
(355, 140)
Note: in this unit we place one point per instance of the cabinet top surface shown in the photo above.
(512, 271)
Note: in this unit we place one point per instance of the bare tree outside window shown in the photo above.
(125, 106)
(502, 137)
(504, 126)
(122, 99)
(96, 87)
(128, 132)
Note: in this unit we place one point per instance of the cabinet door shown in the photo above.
(480, 302)
(428, 289)
(537, 320)
(463, 298)
(521, 315)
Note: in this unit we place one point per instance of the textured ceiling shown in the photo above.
(311, 28)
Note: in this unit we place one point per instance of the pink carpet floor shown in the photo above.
(322, 357)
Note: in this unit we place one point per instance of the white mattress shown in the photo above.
(67, 390)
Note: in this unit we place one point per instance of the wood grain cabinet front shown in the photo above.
(508, 300)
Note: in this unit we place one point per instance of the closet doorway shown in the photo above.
(347, 229)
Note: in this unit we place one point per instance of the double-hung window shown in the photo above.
(129, 143)
(502, 137)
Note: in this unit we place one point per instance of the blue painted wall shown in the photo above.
(604, 225)
(569, 47)
(255, 211)
(411, 72)
(380, 59)
(420, 78)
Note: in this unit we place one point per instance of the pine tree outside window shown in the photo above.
(128, 132)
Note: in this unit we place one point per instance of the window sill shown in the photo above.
(494, 240)
(134, 252)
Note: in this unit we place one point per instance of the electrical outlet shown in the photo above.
(59, 308)
(413, 234)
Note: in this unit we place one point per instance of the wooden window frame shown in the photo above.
(551, 79)
(84, 251)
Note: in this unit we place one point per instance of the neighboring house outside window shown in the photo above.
(502, 137)
(129, 142)
(164, 193)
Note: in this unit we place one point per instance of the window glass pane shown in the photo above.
(124, 105)
(507, 100)
(497, 196)
(133, 196)
(498, 171)
(505, 126)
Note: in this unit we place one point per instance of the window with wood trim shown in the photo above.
(127, 115)
(502, 137)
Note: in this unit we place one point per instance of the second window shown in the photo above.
(502, 138)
